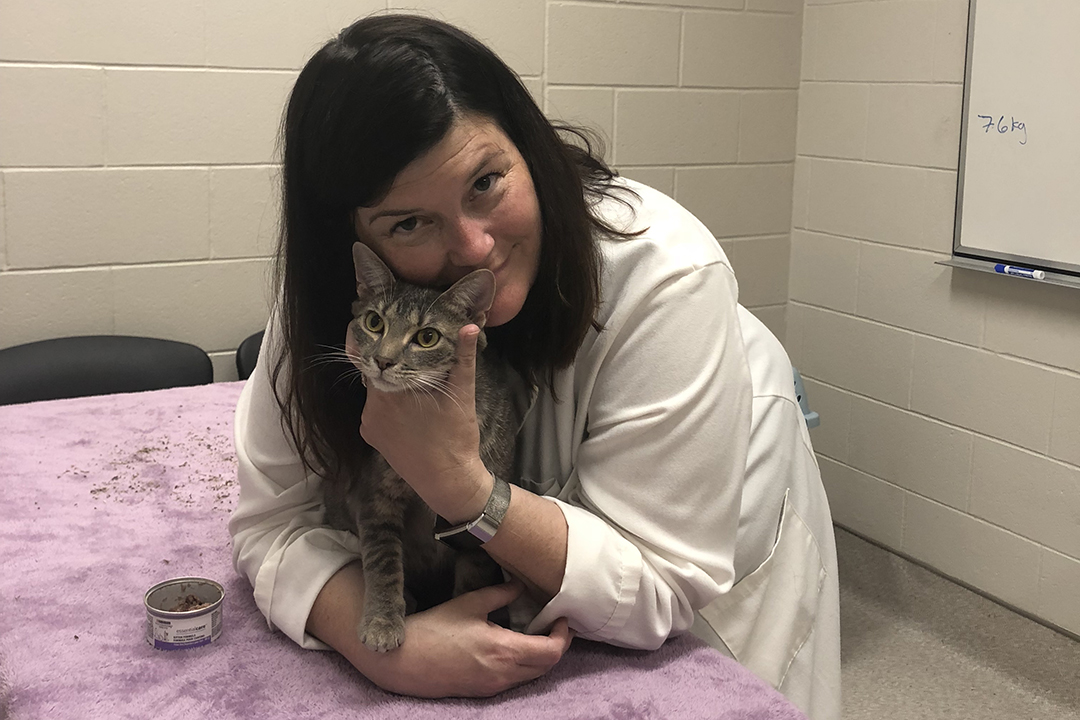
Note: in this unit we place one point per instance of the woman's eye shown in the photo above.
(407, 225)
(373, 322)
(483, 184)
(427, 337)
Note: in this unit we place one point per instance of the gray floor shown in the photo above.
(915, 645)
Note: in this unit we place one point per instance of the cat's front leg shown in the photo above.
(382, 628)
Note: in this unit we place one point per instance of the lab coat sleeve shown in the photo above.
(279, 540)
(652, 507)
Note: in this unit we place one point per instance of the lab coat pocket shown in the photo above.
(768, 615)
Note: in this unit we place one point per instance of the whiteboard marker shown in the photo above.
(1020, 272)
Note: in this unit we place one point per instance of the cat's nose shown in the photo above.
(383, 363)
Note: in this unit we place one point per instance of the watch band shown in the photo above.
(473, 534)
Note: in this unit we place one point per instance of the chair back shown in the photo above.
(98, 365)
(248, 354)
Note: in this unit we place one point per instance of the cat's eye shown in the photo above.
(427, 337)
(373, 323)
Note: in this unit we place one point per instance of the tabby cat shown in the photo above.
(403, 338)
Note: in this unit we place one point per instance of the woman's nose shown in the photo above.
(471, 243)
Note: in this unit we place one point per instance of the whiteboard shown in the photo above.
(1018, 194)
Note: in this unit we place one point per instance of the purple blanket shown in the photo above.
(100, 498)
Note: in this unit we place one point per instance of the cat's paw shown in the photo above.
(381, 634)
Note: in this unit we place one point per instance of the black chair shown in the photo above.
(248, 354)
(98, 365)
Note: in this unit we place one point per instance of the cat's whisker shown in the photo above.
(336, 350)
(327, 358)
(414, 384)
(423, 379)
(427, 310)
(319, 364)
(349, 375)
(333, 356)
(338, 355)
(414, 392)
(441, 384)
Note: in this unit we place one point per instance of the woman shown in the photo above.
(667, 483)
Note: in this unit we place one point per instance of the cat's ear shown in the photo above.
(372, 275)
(473, 295)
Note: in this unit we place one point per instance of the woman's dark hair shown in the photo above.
(386, 90)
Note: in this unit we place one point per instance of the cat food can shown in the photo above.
(183, 613)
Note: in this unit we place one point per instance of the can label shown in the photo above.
(188, 632)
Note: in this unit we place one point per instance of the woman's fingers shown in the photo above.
(522, 658)
(463, 374)
(534, 654)
(489, 599)
(540, 653)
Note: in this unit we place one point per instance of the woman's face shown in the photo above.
(467, 203)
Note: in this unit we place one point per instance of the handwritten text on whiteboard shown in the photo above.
(1001, 126)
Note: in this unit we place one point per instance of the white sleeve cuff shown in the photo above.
(294, 573)
(596, 596)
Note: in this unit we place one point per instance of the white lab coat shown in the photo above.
(677, 452)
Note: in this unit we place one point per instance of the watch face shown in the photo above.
(484, 529)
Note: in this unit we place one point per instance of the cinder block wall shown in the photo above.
(951, 399)
(138, 157)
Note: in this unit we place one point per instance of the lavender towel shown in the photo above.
(100, 498)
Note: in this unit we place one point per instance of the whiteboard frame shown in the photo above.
(975, 258)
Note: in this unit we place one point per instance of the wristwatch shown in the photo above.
(473, 534)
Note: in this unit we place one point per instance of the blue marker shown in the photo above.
(1020, 272)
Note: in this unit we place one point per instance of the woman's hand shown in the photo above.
(452, 650)
(433, 440)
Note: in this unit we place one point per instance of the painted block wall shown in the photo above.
(138, 166)
(950, 399)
